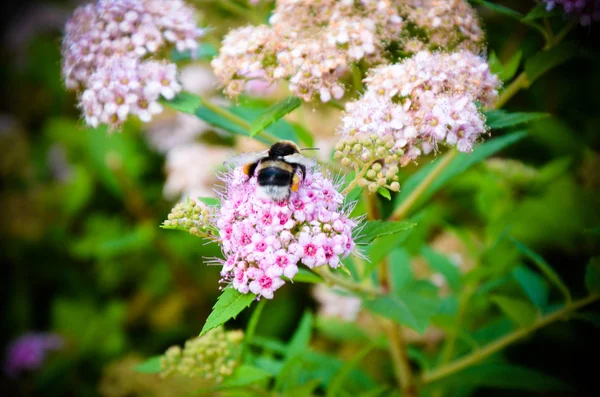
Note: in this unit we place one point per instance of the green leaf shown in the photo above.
(274, 113)
(503, 376)
(511, 67)
(534, 286)
(253, 323)
(540, 11)
(205, 51)
(243, 376)
(592, 275)
(150, 366)
(545, 60)
(384, 193)
(374, 229)
(459, 165)
(411, 310)
(305, 390)
(228, 306)
(519, 311)
(306, 276)
(443, 265)
(340, 330)
(339, 379)
(380, 248)
(210, 201)
(499, 119)
(545, 268)
(304, 135)
(401, 273)
(509, 12)
(185, 102)
(299, 342)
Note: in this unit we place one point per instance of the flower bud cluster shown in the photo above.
(375, 156)
(193, 216)
(104, 52)
(441, 25)
(212, 356)
(310, 44)
(264, 240)
(587, 11)
(426, 100)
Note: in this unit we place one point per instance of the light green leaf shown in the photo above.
(306, 276)
(380, 248)
(499, 119)
(511, 67)
(459, 165)
(384, 193)
(411, 310)
(401, 273)
(545, 268)
(540, 11)
(304, 135)
(519, 311)
(299, 342)
(592, 275)
(534, 286)
(150, 366)
(228, 306)
(374, 229)
(545, 60)
(443, 265)
(210, 201)
(205, 51)
(243, 376)
(504, 376)
(274, 113)
(500, 9)
(185, 102)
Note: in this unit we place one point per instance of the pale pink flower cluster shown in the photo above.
(336, 303)
(265, 240)
(309, 43)
(443, 24)
(586, 10)
(423, 101)
(106, 44)
(124, 86)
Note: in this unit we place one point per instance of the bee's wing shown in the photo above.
(247, 158)
(297, 158)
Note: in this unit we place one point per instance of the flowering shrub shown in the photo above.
(379, 198)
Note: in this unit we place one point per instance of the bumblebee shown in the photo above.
(276, 169)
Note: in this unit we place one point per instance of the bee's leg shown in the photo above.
(303, 170)
(249, 169)
(295, 183)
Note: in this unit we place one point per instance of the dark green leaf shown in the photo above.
(380, 248)
(545, 268)
(504, 376)
(540, 11)
(499, 119)
(459, 165)
(340, 378)
(384, 193)
(545, 60)
(253, 323)
(534, 286)
(511, 67)
(305, 390)
(443, 265)
(150, 366)
(411, 310)
(500, 9)
(274, 113)
(519, 311)
(299, 342)
(592, 275)
(374, 229)
(401, 273)
(592, 317)
(228, 306)
(340, 330)
(243, 376)
(185, 102)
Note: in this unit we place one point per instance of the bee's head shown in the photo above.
(283, 148)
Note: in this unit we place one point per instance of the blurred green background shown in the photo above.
(83, 255)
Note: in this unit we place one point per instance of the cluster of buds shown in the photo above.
(212, 356)
(411, 107)
(308, 43)
(375, 156)
(587, 11)
(104, 51)
(441, 25)
(193, 216)
(264, 240)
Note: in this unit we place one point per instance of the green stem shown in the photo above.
(510, 91)
(403, 370)
(357, 178)
(404, 208)
(499, 344)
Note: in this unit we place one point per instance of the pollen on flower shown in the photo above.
(410, 108)
(264, 241)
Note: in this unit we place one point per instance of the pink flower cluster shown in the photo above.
(308, 43)
(586, 10)
(264, 240)
(101, 38)
(425, 100)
